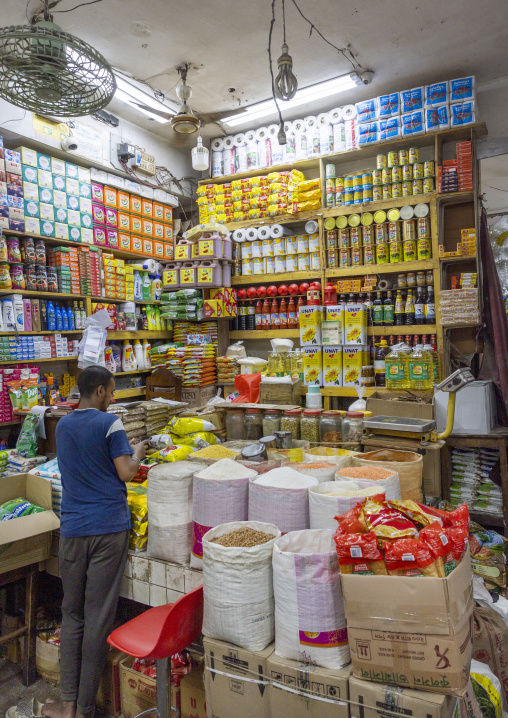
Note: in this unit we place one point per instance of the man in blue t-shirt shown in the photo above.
(96, 460)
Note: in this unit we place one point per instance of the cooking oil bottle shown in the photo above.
(436, 372)
(420, 368)
(297, 364)
(276, 364)
(397, 368)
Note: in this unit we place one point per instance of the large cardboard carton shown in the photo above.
(412, 632)
(236, 684)
(139, 692)
(27, 539)
(302, 690)
(192, 691)
(108, 697)
(395, 403)
(376, 700)
(281, 393)
(47, 660)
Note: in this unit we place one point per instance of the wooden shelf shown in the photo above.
(108, 300)
(266, 334)
(279, 219)
(462, 258)
(395, 268)
(135, 371)
(45, 295)
(268, 278)
(411, 329)
(36, 361)
(14, 422)
(126, 393)
(351, 391)
(372, 207)
(48, 331)
(140, 334)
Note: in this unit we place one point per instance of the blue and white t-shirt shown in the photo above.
(94, 498)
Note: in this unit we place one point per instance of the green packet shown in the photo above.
(15, 508)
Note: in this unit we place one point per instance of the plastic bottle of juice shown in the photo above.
(420, 368)
(397, 368)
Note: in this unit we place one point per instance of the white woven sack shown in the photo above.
(169, 501)
(286, 507)
(337, 461)
(390, 487)
(323, 509)
(323, 473)
(238, 589)
(310, 620)
(216, 501)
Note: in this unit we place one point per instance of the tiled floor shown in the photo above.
(12, 688)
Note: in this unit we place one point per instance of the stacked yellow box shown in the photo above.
(118, 278)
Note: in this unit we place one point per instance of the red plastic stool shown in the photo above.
(159, 633)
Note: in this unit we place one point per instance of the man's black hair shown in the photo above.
(92, 378)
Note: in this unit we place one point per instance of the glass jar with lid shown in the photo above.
(309, 425)
(330, 427)
(253, 424)
(271, 421)
(290, 421)
(234, 423)
(352, 430)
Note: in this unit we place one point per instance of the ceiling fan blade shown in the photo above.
(206, 118)
(166, 115)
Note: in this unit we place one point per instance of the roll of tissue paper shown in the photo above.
(300, 133)
(218, 144)
(252, 150)
(217, 164)
(349, 112)
(276, 150)
(241, 158)
(264, 159)
(239, 235)
(325, 134)
(277, 230)
(239, 139)
(335, 115)
(264, 232)
(251, 234)
(228, 158)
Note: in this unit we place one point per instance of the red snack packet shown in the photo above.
(409, 557)
(385, 522)
(359, 553)
(440, 546)
(460, 516)
(458, 536)
(348, 522)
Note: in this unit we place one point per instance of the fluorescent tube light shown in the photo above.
(302, 97)
(131, 95)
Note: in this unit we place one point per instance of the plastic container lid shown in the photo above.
(312, 412)
(329, 223)
(331, 412)
(354, 414)
(354, 220)
(380, 216)
(254, 411)
(341, 222)
(292, 412)
(393, 214)
(407, 212)
(367, 219)
(313, 390)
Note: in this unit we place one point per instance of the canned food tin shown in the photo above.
(302, 243)
(381, 162)
(339, 199)
(329, 223)
(417, 186)
(356, 256)
(315, 260)
(238, 267)
(348, 198)
(403, 157)
(330, 185)
(396, 189)
(428, 184)
(313, 242)
(279, 247)
(429, 168)
(368, 255)
(387, 191)
(331, 240)
(393, 232)
(424, 227)
(393, 159)
(357, 182)
(423, 248)
(377, 193)
(291, 245)
(246, 267)
(407, 172)
(368, 236)
(377, 177)
(329, 171)
(344, 238)
(330, 200)
(354, 236)
(358, 197)
(367, 218)
(395, 252)
(418, 170)
(341, 221)
(414, 155)
(409, 250)
(348, 182)
(270, 265)
(381, 233)
(354, 220)
(367, 195)
(386, 176)
(280, 265)
(396, 174)
(407, 189)
(332, 258)
(339, 184)
(382, 256)
(246, 250)
(292, 263)
(408, 230)
(366, 180)
(344, 257)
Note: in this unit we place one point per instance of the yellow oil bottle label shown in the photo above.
(182, 251)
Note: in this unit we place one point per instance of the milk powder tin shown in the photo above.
(348, 198)
(418, 170)
(377, 193)
(395, 252)
(267, 248)
(313, 242)
(367, 195)
(329, 223)
(368, 255)
(407, 172)
(315, 260)
(246, 267)
(330, 200)
(302, 243)
(270, 265)
(380, 162)
(367, 218)
(358, 197)
(257, 248)
(304, 262)
(381, 233)
(429, 168)
(409, 250)
(380, 216)
(407, 189)
(291, 263)
(403, 157)
(341, 222)
(414, 155)
(291, 245)
(368, 236)
(348, 182)
(259, 265)
(279, 247)
(329, 171)
(366, 180)
(387, 191)
(331, 240)
(280, 265)
(417, 186)
(246, 250)
(423, 248)
(345, 258)
(339, 199)
(386, 176)
(330, 185)
(356, 256)
(357, 182)
(332, 258)
(397, 189)
(428, 184)
(393, 232)
(354, 236)
(344, 238)
(424, 227)
(396, 174)
(339, 184)
(377, 177)
(409, 229)
(393, 159)
(381, 254)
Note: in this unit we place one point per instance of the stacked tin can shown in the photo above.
(401, 174)
(284, 254)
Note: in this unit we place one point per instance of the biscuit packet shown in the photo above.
(409, 557)
(386, 522)
(439, 544)
(359, 554)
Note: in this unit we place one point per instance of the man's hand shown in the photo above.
(140, 448)
(127, 466)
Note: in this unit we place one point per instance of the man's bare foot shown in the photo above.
(59, 709)
(88, 714)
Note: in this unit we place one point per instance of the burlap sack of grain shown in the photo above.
(407, 464)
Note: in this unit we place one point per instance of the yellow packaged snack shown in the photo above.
(307, 185)
(308, 196)
(306, 206)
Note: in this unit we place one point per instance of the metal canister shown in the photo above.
(354, 236)
(268, 442)
(423, 248)
(403, 157)
(357, 182)
(380, 162)
(429, 168)
(418, 170)
(407, 189)
(377, 177)
(255, 452)
(331, 239)
(348, 198)
(408, 230)
(344, 238)
(397, 189)
(386, 176)
(238, 267)
(283, 439)
(329, 171)
(417, 186)
(358, 197)
(348, 182)
(382, 256)
(246, 267)
(396, 174)
(332, 258)
(368, 236)
(409, 247)
(291, 263)
(414, 155)
(280, 264)
(393, 159)
(393, 232)
(377, 193)
(344, 257)
(387, 191)
(315, 260)
(381, 233)
(356, 256)
(339, 184)
(407, 172)
(395, 252)
(368, 257)
(423, 227)
(366, 180)
(339, 199)
(330, 185)
(428, 184)
(330, 200)
(367, 195)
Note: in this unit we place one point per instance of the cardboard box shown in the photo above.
(281, 393)
(139, 692)
(475, 409)
(192, 692)
(384, 403)
(27, 539)
(47, 660)
(300, 689)
(374, 700)
(405, 633)
(198, 396)
(108, 697)
(236, 682)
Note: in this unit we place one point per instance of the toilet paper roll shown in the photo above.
(217, 164)
(239, 140)
(228, 158)
(250, 136)
(239, 235)
(339, 137)
(323, 118)
(217, 144)
(384, 284)
(335, 115)
(252, 154)
(349, 112)
(251, 234)
(288, 127)
(264, 232)
(264, 156)
(277, 230)
(276, 150)
(298, 126)
(241, 158)
(262, 134)
(310, 121)
(229, 142)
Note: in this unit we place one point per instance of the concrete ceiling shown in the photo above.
(405, 44)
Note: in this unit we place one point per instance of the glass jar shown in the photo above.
(330, 427)
(234, 423)
(271, 421)
(309, 425)
(253, 425)
(368, 376)
(290, 421)
(352, 430)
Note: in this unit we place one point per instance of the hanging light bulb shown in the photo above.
(285, 85)
(200, 156)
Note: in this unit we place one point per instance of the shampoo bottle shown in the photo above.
(138, 354)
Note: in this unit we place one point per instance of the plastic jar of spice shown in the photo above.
(271, 421)
(352, 430)
(290, 421)
(330, 427)
(253, 424)
(309, 425)
(234, 423)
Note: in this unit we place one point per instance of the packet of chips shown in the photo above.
(438, 542)
(349, 522)
(459, 539)
(414, 511)
(359, 554)
(409, 557)
(387, 523)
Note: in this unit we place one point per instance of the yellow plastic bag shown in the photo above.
(308, 185)
(309, 196)
(137, 500)
(172, 453)
(190, 425)
(193, 439)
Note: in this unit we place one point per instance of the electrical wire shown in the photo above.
(92, 2)
(498, 189)
(14, 119)
(272, 23)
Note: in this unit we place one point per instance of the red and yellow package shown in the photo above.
(419, 514)
(349, 523)
(460, 516)
(384, 521)
(458, 536)
(438, 541)
(409, 557)
(359, 554)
